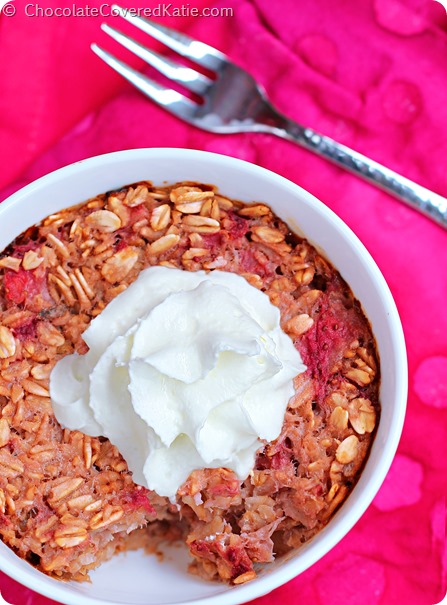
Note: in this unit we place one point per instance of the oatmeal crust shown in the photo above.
(67, 501)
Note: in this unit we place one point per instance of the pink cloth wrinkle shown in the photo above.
(371, 74)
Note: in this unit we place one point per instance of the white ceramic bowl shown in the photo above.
(138, 579)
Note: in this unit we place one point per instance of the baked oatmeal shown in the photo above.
(68, 500)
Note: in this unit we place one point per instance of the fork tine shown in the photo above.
(201, 53)
(170, 99)
(190, 78)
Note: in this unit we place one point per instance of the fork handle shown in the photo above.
(429, 203)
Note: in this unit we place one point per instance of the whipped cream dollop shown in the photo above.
(185, 370)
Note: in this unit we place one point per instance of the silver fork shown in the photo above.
(234, 102)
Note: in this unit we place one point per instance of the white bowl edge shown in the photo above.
(102, 173)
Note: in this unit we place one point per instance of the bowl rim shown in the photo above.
(288, 570)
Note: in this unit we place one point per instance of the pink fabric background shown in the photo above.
(373, 75)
